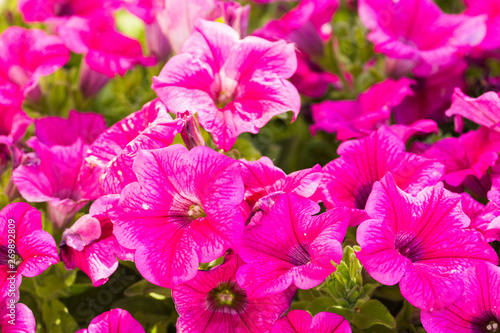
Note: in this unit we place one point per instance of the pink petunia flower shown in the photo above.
(485, 219)
(25, 56)
(478, 310)
(491, 8)
(264, 182)
(348, 180)
(107, 52)
(484, 110)
(234, 85)
(214, 302)
(307, 25)
(58, 11)
(355, 119)
(469, 155)
(113, 321)
(182, 211)
(16, 317)
(421, 242)
(56, 171)
(300, 321)
(25, 249)
(90, 244)
(310, 79)
(57, 131)
(419, 31)
(13, 125)
(431, 95)
(291, 247)
(115, 149)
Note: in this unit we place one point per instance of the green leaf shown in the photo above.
(145, 288)
(373, 312)
(57, 319)
(320, 304)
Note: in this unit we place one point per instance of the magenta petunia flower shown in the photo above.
(234, 85)
(421, 242)
(478, 310)
(348, 180)
(25, 56)
(13, 125)
(291, 247)
(310, 79)
(484, 110)
(106, 50)
(90, 244)
(419, 31)
(214, 302)
(431, 95)
(355, 119)
(469, 155)
(307, 25)
(263, 179)
(16, 317)
(113, 321)
(57, 131)
(56, 171)
(485, 219)
(25, 249)
(491, 8)
(182, 211)
(300, 321)
(114, 151)
(58, 11)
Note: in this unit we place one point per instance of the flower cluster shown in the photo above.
(262, 167)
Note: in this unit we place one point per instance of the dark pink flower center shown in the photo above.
(227, 297)
(299, 255)
(487, 322)
(409, 246)
(11, 257)
(63, 9)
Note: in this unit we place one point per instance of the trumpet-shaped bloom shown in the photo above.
(106, 50)
(291, 247)
(25, 249)
(115, 149)
(421, 242)
(16, 317)
(214, 302)
(182, 211)
(25, 56)
(469, 155)
(113, 321)
(90, 244)
(56, 171)
(348, 180)
(234, 85)
(478, 310)
(300, 321)
(58, 11)
(419, 31)
(355, 119)
(484, 110)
